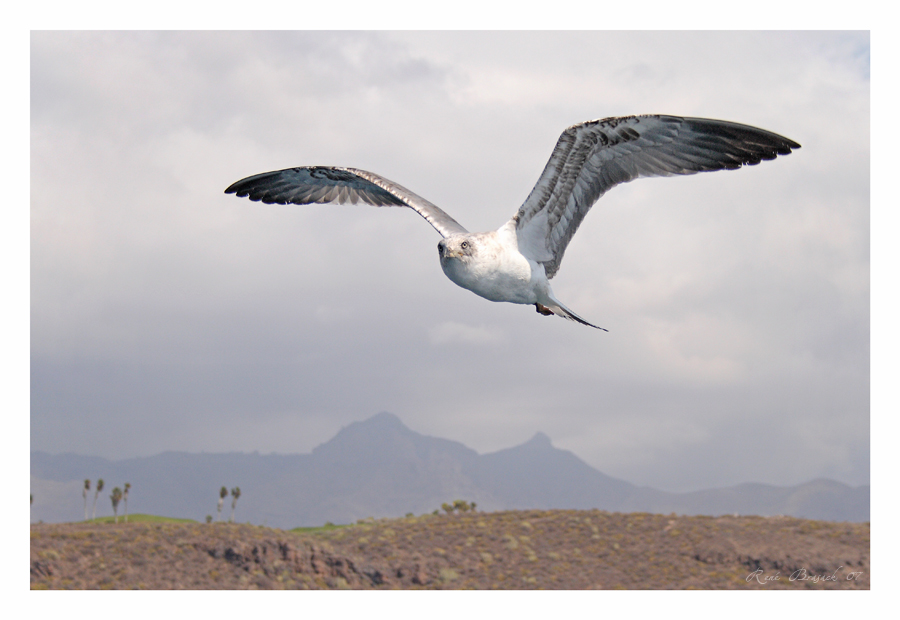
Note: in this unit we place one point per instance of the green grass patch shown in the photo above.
(140, 518)
(320, 528)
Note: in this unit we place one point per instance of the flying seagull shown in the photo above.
(516, 262)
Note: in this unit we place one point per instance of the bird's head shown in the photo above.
(457, 247)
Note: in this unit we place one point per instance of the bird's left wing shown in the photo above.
(593, 157)
(323, 184)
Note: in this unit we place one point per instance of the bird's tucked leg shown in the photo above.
(542, 309)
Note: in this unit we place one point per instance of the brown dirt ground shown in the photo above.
(533, 549)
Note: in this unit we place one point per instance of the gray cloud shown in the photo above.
(171, 315)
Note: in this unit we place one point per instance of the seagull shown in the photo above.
(516, 262)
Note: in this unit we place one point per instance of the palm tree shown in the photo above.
(115, 497)
(84, 493)
(125, 498)
(96, 493)
(235, 494)
(223, 493)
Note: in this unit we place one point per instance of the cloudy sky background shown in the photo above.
(166, 315)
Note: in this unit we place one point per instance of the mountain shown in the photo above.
(381, 468)
(537, 475)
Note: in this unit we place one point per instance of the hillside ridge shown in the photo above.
(530, 549)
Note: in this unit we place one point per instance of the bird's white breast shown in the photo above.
(498, 271)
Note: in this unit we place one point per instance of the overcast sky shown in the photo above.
(166, 315)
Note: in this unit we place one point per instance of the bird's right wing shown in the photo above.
(591, 158)
(323, 184)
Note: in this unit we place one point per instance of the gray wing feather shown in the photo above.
(593, 157)
(321, 184)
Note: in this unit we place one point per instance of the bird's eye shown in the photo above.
(464, 245)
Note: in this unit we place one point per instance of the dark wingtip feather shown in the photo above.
(764, 144)
(246, 185)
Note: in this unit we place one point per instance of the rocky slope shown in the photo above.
(556, 549)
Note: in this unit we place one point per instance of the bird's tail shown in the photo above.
(556, 307)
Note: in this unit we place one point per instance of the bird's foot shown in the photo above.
(542, 309)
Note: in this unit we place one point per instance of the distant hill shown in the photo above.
(381, 468)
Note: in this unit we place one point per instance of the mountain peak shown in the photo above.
(385, 438)
(540, 440)
(372, 433)
(383, 419)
